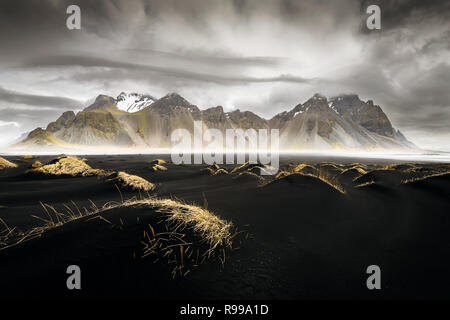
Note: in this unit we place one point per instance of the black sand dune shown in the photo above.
(302, 237)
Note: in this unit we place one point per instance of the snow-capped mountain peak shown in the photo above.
(133, 102)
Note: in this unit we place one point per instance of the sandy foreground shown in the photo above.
(309, 233)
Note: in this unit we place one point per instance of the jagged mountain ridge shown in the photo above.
(343, 122)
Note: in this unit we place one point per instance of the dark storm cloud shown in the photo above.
(138, 69)
(269, 55)
(201, 57)
(33, 116)
(401, 13)
(37, 100)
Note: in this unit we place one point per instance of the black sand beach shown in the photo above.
(301, 238)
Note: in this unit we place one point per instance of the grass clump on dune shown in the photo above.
(282, 174)
(158, 161)
(305, 168)
(330, 179)
(320, 174)
(247, 167)
(365, 184)
(4, 164)
(214, 231)
(220, 171)
(70, 166)
(249, 174)
(428, 176)
(183, 234)
(36, 164)
(355, 168)
(73, 166)
(158, 167)
(133, 182)
(215, 170)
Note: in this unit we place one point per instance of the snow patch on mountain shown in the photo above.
(133, 102)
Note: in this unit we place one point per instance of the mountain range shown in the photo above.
(141, 121)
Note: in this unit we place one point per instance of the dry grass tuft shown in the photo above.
(331, 165)
(357, 168)
(158, 167)
(186, 236)
(71, 166)
(321, 174)
(330, 179)
(245, 167)
(251, 174)
(282, 174)
(305, 168)
(192, 235)
(133, 182)
(4, 164)
(401, 167)
(357, 164)
(215, 170)
(214, 231)
(36, 164)
(425, 177)
(214, 166)
(220, 171)
(256, 168)
(158, 161)
(365, 184)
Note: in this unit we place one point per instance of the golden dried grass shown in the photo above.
(365, 184)
(133, 182)
(183, 222)
(36, 164)
(406, 181)
(70, 166)
(220, 171)
(304, 168)
(212, 229)
(158, 161)
(330, 179)
(5, 164)
(357, 168)
(322, 174)
(158, 167)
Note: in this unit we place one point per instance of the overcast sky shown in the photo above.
(260, 55)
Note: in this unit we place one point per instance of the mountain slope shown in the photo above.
(344, 122)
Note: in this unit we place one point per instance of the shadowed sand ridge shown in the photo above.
(184, 235)
(294, 175)
(303, 237)
(314, 183)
